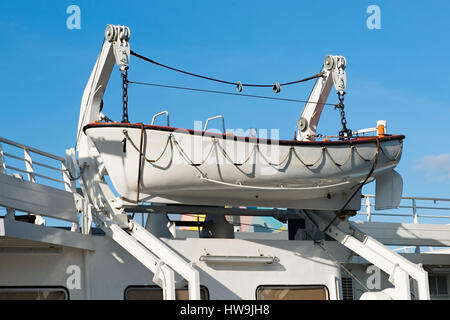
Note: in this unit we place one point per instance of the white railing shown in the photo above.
(406, 249)
(57, 174)
(411, 209)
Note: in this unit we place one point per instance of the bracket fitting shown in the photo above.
(119, 36)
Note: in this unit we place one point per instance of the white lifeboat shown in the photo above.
(149, 163)
(175, 165)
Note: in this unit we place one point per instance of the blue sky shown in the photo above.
(398, 73)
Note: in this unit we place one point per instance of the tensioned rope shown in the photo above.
(224, 92)
(374, 165)
(343, 267)
(139, 168)
(276, 86)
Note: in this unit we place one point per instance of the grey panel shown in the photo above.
(36, 198)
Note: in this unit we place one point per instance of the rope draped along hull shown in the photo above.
(203, 168)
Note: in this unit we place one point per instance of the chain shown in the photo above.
(345, 133)
(125, 94)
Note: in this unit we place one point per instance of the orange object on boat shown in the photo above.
(381, 126)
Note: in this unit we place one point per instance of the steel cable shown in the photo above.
(237, 84)
(224, 92)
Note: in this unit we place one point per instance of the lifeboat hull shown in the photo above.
(204, 168)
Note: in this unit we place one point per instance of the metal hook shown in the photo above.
(276, 87)
(239, 87)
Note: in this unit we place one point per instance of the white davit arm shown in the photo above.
(333, 72)
(115, 49)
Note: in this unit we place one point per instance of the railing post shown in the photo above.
(29, 168)
(369, 217)
(416, 220)
(29, 165)
(414, 211)
(2, 161)
(69, 184)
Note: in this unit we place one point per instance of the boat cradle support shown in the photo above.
(86, 164)
(161, 260)
(399, 269)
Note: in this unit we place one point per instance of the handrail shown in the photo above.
(411, 198)
(6, 154)
(364, 131)
(25, 147)
(213, 118)
(60, 175)
(370, 211)
(30, 164)
(161, 113)
(35, 174)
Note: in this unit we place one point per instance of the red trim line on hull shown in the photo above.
(359, 140)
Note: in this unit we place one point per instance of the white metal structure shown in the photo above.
(398, 268)
(175, 262)
(333, 73)
(150, 251)
(182, 166)
(98, 195)
(364, 245)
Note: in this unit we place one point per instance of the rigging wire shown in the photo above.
(224, 92)
(276, 86)
(335, 260)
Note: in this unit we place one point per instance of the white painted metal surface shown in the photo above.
(36, 198)
(29, 196)
(169, 257)
(333, 72)
(397, 267)
(54, 236)
(407, 234)
(98, 196)
(220, 171)
(185, 167)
